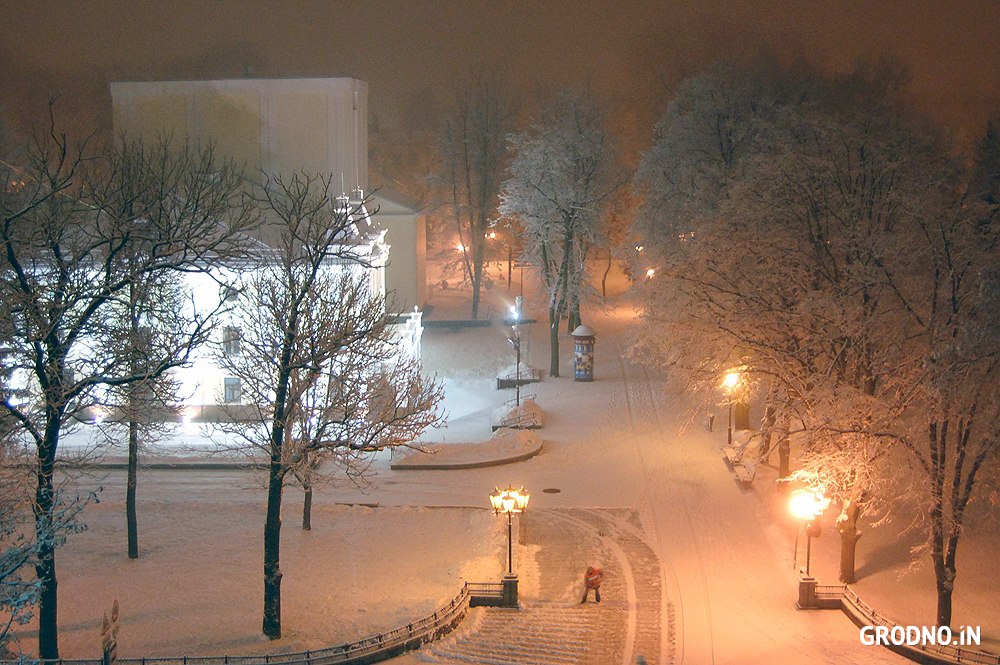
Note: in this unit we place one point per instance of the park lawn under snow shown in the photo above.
(197, 587)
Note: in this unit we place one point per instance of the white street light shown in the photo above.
(806, 505)
(730, 382)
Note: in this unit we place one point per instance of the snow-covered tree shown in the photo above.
(950, 367)
(984, 182)
(73, 246)
(473, 159)
(703, 260)
(317, 368)
(828, 259)
(562, 178)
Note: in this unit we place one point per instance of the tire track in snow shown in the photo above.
(668, 571)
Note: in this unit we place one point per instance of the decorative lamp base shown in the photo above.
(509, 591)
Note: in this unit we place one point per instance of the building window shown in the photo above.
(232, 391)
(231, 337)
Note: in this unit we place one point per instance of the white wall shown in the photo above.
(276, 125)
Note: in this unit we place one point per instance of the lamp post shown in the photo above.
(515, 340)
(731, 380)
(508, 502)
(806, 505)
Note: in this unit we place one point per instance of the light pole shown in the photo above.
(515, 340)
(508, 502)
(806, 505)
(731, 380)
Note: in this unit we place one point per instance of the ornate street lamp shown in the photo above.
(508, 502)
(731, 380)
(806, 505)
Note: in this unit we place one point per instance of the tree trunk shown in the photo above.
(849, 537)
(944, 578)
(766, 428)
(477, 273)
(48, 634)
(944, 591)
(475, 300)
(307, 504)
(784, 455)
(604, 278)
(510, 265)
(272, 544)
(574, 319)
(553, 342)
(45, 568)
(130, 512)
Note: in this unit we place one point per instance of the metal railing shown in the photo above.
(518, 421)
(955, 653)
(486, 594)
(830, 591)
(485, 589)
(524, 397)
(368, 650)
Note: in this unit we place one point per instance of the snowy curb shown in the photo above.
(506, 447)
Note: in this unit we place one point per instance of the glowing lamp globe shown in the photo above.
(509, 500)
(731, 380)
(807, 504)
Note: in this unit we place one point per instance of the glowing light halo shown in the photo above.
(807, 504)
(731, 380)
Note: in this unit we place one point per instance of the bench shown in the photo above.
(508, 377)
(734, 454)
(745, 472)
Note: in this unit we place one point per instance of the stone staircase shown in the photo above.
(540, 635)
(645, 567)
(552, 627)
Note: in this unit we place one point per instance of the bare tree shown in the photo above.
(147, 319)
(562, 176)
(473, 159)
(19, 544)
(316, 365)
(79, 228)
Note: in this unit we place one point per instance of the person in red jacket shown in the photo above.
(592, 580)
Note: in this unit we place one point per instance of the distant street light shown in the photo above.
(508, 502)
(806, 505)
(731, 380)
(515, 340)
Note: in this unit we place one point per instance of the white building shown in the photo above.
(277, 126)
(274, 127)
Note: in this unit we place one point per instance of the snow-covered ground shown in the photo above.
(379, 558)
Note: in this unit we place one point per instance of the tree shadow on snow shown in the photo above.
(887, 555)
